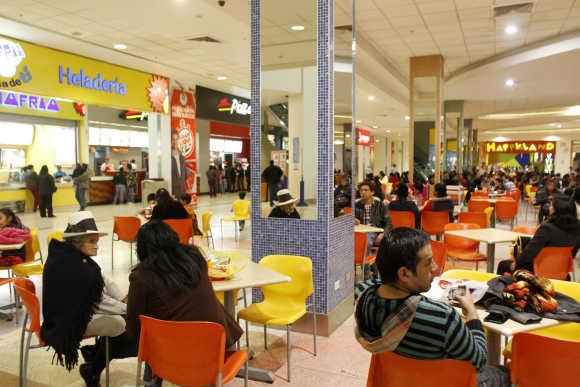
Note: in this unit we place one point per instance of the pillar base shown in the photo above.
(326, 323)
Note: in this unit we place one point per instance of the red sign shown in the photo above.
(519, 147)
(363, 137)
(183, 139)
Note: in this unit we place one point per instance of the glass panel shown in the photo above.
(64, 146)
(12, 133)
(424, 110)
(343, 103)
(289, 108)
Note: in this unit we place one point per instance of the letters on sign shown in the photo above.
(520, 147)
(27, 101)
(83, 80)
(363, 137)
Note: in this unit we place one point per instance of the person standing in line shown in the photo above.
(247, 177)
(46, 187)
(239, 177)
(81, 178)
(230, 176)
(133, 165)
(272, 175)
(131, 183)
(31, 182)
(120, 182)
(211, 175)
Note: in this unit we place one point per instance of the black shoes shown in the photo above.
(91, 380)
(88, 353)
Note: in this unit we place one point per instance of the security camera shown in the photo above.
(221, 3)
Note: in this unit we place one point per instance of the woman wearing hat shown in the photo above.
(78, 301)
(284, 206)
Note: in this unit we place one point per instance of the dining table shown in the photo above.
(253, 275)
(489, 236)
(365, 228)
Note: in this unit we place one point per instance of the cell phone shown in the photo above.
(458, 291)
(498, 318)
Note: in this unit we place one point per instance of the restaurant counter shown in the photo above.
(17, 197)
(102, 189)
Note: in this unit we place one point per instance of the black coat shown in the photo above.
(272, 174)
(407, 205)
(277, 212)
(169, 210)
(46, 185)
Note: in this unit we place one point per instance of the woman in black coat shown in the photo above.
(46, 188)
(167, 207)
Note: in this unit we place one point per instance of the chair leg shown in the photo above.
(131, 253)
(107, 360)
(314, 330)
(362, 267)
(22, 349)
(112, 253)
(247, 335)
(245, 298)
(25, 366)
(16, 307)
(289, 348)
(246, 373)
(265, 336)
(139, 367)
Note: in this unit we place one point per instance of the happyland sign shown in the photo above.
(519, 147)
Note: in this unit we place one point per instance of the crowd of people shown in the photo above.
(228, 178)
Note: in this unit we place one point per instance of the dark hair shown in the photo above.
(271, 162)
(440, 190)
(577, 194)
(400, 248)
(43, 170)
(419, 186)
(162, 195)
(185, 197)
(402, 191)
(158, 249)
(242, 194)
(565, 216)
(151, 196)
(8, 213)
(369, 184)
(120, 170)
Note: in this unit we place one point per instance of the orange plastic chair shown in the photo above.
(554, 262)
(433, 222)
(126, 229)
(528, 230)
(347, 210)
(479, 218)
(480, 194)
(478, 205)
(516, 194)
(27, 293)
(463, 249)
(402, 219)
(360, 252)
(183, 228)
(188, 353)
(506, 209)
(539, 361)
(391, 370)
(384, 188)
(439, 255)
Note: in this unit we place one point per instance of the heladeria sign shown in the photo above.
(218, 106)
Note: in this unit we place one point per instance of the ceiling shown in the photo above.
(465, 32)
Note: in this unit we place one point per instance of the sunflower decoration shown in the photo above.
(158, 93)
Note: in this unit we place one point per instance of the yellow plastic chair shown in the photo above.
(241, 212)
(468, 274)
(32, 247)
(284, 304)
(488, 211)
(54, 235)
(206, 228)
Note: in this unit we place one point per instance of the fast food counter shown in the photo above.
(102, 189)
(18, 198)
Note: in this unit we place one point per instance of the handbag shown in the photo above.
(519, 245)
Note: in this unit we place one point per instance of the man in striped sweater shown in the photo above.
(392, 315)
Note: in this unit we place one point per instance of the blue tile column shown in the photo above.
(329, 242)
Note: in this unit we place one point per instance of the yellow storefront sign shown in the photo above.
(35, 70)
(34, 105)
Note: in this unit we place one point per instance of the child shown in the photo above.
(12, 231)
(242, 196)
(151, 202)
(185, 199)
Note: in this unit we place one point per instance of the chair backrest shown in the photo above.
(206, 221)
(529, 230)
(477, 205)
(391, 370)
(480, 194)
(569, 288)
(299, 269)
(32, 246)
(439, 255)
(457, 243)
(27, 293)
(479, 218)
(402, 219)
(183, 228)
(433, 222)
(347, 210)
(360, 247)
(469, 274)
(126, 228)
(186, 353)
(516, 194)
(384, 188)
(506, 209)
(539, 361)
(54, 235)
(554, 262)
(241, 208)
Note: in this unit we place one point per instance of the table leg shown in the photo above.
(493, 348)
(490, 257)
(255, 374)
(492, 218)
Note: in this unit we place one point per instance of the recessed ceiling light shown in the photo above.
(377, 140)
(120, 46)
(510, 82)
(552, 124)
(222, 78)
(374, 127)
(371, 97)
(559, 126)
(348, 136)
(511, 29)
(388, 131)
(297, 28)
(407, 118)
(358, 121)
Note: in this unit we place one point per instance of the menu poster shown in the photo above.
(183, 145)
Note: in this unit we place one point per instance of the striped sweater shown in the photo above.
(437, 331)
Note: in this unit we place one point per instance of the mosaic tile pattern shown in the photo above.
(327, 241)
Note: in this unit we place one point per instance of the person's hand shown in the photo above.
(379, 238)
(356, 222)
(125, 299)
(467, 305)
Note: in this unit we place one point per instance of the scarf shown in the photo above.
(72, 289)
(393, 328)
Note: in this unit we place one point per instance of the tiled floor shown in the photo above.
(340, 360)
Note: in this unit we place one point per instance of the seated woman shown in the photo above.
(284, 206)
(171, 283)
(185, 200)
(12, 230)
(167, 207)
(78, 301)
(441, 202)
(561, 229)
(402, 203)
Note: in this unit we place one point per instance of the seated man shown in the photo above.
(284, 206)
(371, 211)
(392, 315)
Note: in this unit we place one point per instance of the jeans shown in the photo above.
(131, 194)
(80, 194)
(120, 191)
(212, 189)
(46, 205)
(272, 189)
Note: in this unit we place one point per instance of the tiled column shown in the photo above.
(328, 241)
